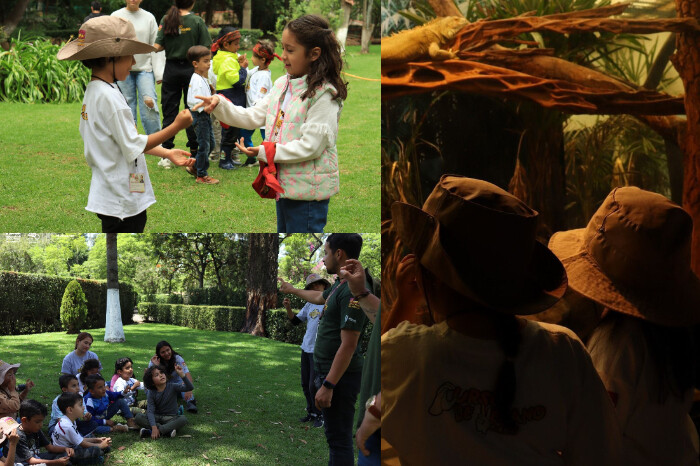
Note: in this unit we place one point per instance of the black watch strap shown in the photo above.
(328, 385)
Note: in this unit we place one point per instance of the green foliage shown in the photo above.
(329, 9)
(249, 37)
(30, 72)
(213, 296)
(31, 303)
(73, 307)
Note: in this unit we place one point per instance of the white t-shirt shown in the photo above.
(437, 399)
(65, 434)
(146, 31)
(199, 85)
(311, 314)
(257, 86)
(652, 433)
(120, 384)
(113, 150)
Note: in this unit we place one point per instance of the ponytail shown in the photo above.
(509, 340)
(171, 21)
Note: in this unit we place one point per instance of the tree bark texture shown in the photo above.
(367, 26)
(687, 62)
(342, 32)
(262, 280)
(246, 14)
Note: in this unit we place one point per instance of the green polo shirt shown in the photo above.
(193, 31)
(341, 312)
(372, 372)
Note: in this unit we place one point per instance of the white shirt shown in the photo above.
(311, 314)
(121, 384)
(146, 31)
(652, 433)
(257, 86)
(199, 85)
(438, 408)
(65, 434)
(113, 150)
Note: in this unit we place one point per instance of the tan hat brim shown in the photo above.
(587, 278)
(420, 232)
(113, 47)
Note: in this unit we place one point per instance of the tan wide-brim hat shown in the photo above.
(104, 36)
(315, 278)
(4, 367)
(634, 257)
(480, 241)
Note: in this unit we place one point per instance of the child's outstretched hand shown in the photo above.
(287, 304)
(249, 151)
(284, 286)
(183, 119)
(209, 103)
(178, 369)
(243, 61)
(181, 159)
(30, 385)
(155, 360)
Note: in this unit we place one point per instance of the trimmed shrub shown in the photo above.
(215, 297)
(31, 303)
(73, 307)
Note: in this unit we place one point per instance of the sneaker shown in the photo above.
(191, 170)
(192, 407)
(207, 180)
(319, 421)
(131, 424)
(120, 428)
(165, 163)
(225, 164)
(306, 418)
(145, 433)
(173, 433)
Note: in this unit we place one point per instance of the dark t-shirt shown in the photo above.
(372, 370)
(92, 15)
(193, 31)
(341, 312)
(29, 445)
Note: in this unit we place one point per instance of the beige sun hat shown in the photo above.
(480, 241)
(634, 257)
(315, 278)
(4, 367)
(104, 36)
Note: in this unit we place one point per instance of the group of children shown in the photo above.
(83, 412)
(300, 114)
(222, 70)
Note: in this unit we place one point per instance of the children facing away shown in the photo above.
(300, 115)
(87, 450)
(501, 389)
(257, 85)
(161, 416)
(200, 57)
(120, 190)
(32, 439)
(633, 261)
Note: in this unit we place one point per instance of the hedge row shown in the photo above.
(31, 303)
(215, 297)
(230, 319)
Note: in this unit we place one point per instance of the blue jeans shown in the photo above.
(247, 135)
(301, 216)
(143, 83)
(374, 445)
(120, 406)
(205, 140)
(338, 419)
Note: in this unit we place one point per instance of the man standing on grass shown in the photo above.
(337, 360)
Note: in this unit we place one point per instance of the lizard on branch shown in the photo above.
(427, 42)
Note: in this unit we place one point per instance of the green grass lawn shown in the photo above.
(45, 180)
(248, 391)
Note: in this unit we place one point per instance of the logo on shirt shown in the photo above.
(480, 406)
(353, 304)
(313, 314)
(263, 90)
(83, 114)
(350, 319)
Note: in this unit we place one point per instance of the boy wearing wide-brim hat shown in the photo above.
(120, 190)
(481, 385)
(633, 260)
(311, 314)
(10, 398)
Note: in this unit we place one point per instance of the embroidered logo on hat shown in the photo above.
(81, 38)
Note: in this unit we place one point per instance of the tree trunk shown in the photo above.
(114, 331)
(687, 62)
(342, 32)
(246, 14)
(262, 281)
(14, 16)
(367, 25)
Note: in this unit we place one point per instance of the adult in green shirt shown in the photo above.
(337, 360)
(179, 30)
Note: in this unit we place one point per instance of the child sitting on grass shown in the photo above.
(85, 450)
(11, 395)
(161, 416)
(257, 86)
(91, 367)
(103, 404)
(124, 370)
(68, 384)
(32, 439)
(120, 191)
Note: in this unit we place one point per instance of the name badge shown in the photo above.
(137, 183)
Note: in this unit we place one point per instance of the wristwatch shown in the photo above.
(372, 407)
(328, 385)
(364, 294)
